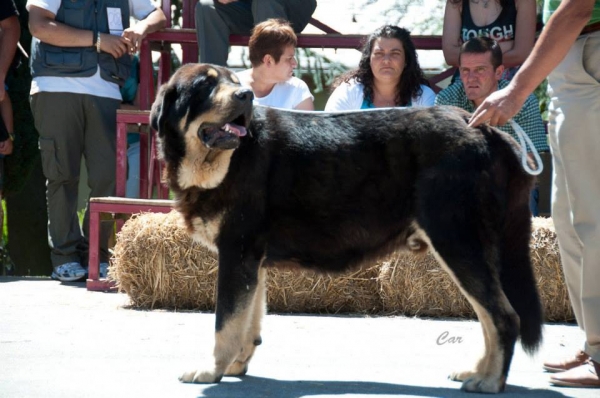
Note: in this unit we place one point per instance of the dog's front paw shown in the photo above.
(197, 376)
(237, 369)
(461, 375)
(484, 384)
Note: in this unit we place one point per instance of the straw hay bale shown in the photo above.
(159, 266)
(416, 285)
(309, 292)
(547, 267)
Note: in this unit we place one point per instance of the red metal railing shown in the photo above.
(187, 37)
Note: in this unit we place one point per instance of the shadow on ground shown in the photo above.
(250, 386)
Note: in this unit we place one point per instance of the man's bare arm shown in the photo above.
(156, 20)
(42, 25)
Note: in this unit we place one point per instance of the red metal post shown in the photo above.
(190, 50)
(93, 256)
(146, 76)
(121, 177)
(144, 162)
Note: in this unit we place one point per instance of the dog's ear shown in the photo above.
(161, 108)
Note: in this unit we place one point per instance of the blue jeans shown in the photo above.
(534, 198)
(132, 189)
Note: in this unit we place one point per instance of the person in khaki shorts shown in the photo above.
(568, 52)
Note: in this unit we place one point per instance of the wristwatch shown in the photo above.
(11, 136)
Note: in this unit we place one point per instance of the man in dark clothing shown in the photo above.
(217, 19)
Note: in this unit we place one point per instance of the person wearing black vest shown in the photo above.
(80, 54)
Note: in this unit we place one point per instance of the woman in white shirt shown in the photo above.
(272, 48)
(388, 75)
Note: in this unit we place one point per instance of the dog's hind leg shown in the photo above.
(236, 322)
(499, 321)
(252, 339)
(465, 244)
(462, 211)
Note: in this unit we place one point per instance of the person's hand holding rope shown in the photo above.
(497, 108)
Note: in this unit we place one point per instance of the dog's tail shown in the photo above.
(516, 270)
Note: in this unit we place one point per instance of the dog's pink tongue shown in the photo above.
(238, 130)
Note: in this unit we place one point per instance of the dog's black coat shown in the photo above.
(331, 191)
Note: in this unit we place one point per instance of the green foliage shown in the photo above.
(176, 12)
(541, 92)
(429, 22)
(322, 69)
(6, 264)
(4, 224)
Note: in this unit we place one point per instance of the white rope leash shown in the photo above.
(524, 140)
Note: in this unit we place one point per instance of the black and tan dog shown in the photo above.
(329, 191)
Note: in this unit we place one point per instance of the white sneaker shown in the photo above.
(68, 272)
(103, 270)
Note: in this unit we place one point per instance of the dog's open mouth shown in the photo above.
(226, 136)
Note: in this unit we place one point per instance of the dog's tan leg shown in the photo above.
(488, 368)
(488, 375)
(483, 362)
(238, 285)
(252, 338)
(228, 345)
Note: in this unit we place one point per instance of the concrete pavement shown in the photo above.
(59, 340)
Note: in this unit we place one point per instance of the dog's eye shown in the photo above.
(205, 81)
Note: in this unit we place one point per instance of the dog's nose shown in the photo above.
(244, 94)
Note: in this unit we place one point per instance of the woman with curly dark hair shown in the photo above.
(388, 75)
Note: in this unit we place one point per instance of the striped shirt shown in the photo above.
(529, 117)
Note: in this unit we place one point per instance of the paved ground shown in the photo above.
(59, 340)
